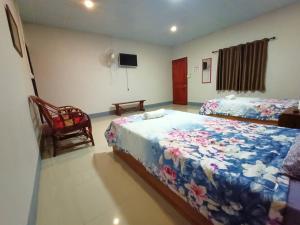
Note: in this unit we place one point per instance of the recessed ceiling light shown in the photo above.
(116, 221)
(89, 4)
(173, 29)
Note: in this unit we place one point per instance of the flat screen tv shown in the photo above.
(128, 60)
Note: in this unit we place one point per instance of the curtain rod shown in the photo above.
(272, 38)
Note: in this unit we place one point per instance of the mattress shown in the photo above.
(251, 108)
(228, 170)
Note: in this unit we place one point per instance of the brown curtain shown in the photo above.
(243, 67)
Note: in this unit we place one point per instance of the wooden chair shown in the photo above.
(65, 122)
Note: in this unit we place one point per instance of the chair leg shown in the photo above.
(54, 146)
(90, 135)
(92, 139)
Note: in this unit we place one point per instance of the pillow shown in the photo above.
(154, 114)
(291, 163)
(66, 121)
(230, 97)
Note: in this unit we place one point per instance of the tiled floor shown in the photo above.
(90, 186)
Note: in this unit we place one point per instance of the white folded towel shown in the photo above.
(154, 114)
(230, 97)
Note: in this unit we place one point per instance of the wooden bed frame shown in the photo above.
(264, 122)
(191, 214)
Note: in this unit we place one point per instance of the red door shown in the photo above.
(179, 71)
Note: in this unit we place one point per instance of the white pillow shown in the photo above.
(154, 114)
(230, 97)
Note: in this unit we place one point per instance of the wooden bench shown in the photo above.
(120, 110)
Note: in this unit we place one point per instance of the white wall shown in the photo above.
(70, 68)
(283, 69)
(19, 150)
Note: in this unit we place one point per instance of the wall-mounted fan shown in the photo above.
(110, 57)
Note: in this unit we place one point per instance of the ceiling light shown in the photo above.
(89, 4)
(116, 221)
(173, 29)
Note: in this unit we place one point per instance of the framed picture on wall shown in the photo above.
(206, 71)
(14, 31)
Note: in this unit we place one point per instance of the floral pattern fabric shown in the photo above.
(252, 108)
(228, 170)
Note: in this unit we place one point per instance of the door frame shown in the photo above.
(186, 77)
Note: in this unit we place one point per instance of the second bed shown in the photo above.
(259, 110)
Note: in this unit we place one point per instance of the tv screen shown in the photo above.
(128, 60)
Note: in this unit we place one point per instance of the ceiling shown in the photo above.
(147, 20)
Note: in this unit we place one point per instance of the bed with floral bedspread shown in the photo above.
(228, 170)
(251, 108)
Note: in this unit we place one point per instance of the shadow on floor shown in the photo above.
(46, 147)
(125, 186)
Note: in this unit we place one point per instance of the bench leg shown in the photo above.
(118, 110)
(142, 106)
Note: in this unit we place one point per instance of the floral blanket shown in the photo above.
(228, 170)
(252, 108)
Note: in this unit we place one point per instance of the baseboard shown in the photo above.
(34, 199)
(108, 113)
(195, 104)
(158, 105)
(101, 114)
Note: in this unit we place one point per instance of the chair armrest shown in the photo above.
(66, 106)
(69, 109)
